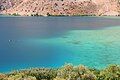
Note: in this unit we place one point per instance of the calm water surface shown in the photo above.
(53, 41)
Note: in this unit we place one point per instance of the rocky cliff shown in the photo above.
(60, 7)
(6, 4)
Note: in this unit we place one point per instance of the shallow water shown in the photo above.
(53, 41)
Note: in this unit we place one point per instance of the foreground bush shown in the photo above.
(110, 73)
(67, 72)
(21, 76)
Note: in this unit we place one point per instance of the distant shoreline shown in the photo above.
(110, 17)
(60, 15)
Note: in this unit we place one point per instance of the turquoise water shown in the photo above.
(53, 41)
(94, 48)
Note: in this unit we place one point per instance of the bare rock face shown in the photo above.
(6, 4)
(107, 7)
(60, 7)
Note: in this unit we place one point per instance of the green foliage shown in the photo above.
(35, 14)
(43, 73)
(38, 73)
(110, 73)
(69, 72)
(66, 72)
(21, 76)
(15, 14)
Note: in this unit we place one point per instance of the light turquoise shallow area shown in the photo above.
(27, 42)
(94, 48)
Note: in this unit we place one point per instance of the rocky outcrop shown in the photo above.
(60, 7)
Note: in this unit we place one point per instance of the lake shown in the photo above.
(53, 41)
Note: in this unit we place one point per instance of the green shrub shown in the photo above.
(15, 14)
(21, 76)
(66, 72)
(110, 73)
(69, 72)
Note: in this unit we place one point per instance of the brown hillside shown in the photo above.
(6, 4)
(63, 7)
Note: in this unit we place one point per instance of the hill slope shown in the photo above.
(6, 4)
(61, 7)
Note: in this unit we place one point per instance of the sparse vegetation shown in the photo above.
(67, 72)
(35, 14)
(15, 14)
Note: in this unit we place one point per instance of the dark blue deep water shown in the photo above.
(53, 41)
